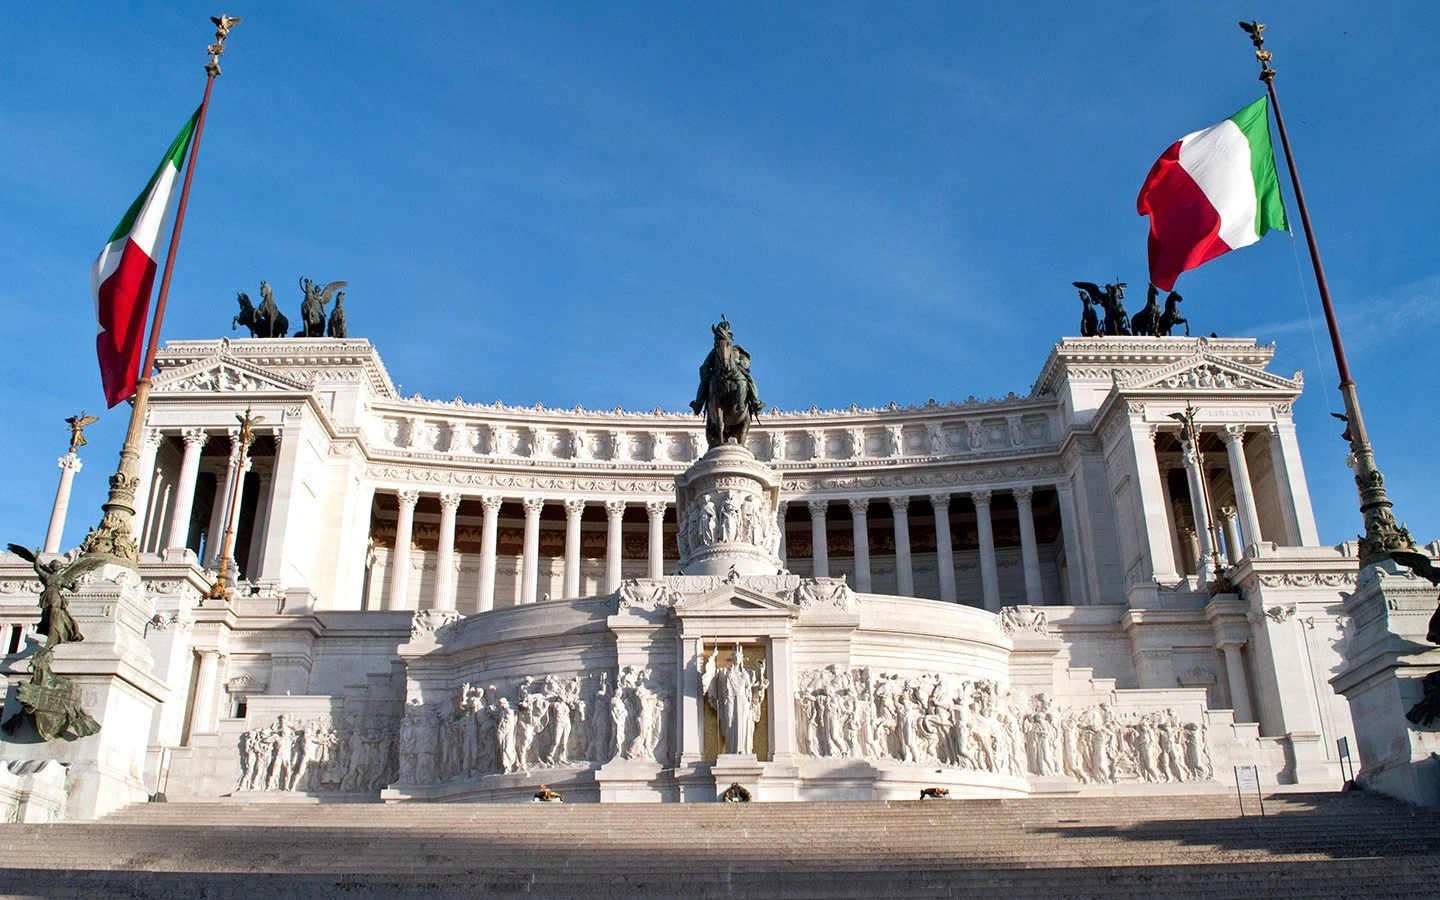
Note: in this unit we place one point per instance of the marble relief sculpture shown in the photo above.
(977, 724)
(540, 724)
(314, 755)
(737, 694)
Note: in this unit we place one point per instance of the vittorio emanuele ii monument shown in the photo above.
(455, 601)
(306, 587)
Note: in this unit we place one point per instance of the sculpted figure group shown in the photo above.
(539, 724)
(1151, 321)
(724, 517)
(268, 321)
(314, 755)
(976, 724)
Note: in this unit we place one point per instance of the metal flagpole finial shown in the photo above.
(223, 24)
(220, 590)
(1256, 30)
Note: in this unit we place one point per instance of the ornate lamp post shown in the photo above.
(220, 590)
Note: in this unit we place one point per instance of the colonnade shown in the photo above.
(163, 513)
(397, 595)
(1233, 518)
(982, 500)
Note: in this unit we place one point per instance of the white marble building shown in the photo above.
(1001, 597)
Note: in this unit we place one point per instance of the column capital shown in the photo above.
(981, 498)
(1228, 512)
(491, 502)
(154, 437)
(782, 506)
(1233, 433)
(1023, 494)
(859, 507)
(450, 500)
(408, 498)
(940, 501)
(1228, 646)
(614, 509)
(574, 507)
(70, 462)
(899, 504)
(656, 508)
(817, 507)
(194, 437)
(533, 505)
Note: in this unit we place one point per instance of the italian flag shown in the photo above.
(121, 278)
(1211, 192)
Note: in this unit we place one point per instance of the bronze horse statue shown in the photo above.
(727, 396)
(246, 316)
(1171, 316)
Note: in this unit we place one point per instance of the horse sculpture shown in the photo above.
(336, 327)
(246, 316)
(269, 320)
(727, 396)
(1089, 319)
(1146, 322)
(1171, 316)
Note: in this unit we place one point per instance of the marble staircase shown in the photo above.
(1309, 845)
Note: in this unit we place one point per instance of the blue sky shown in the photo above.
(551, 202)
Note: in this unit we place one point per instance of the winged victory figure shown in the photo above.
(78, 424)
(312, 308)
(56, 576)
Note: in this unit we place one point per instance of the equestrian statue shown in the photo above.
(727, 397)
(312, 308)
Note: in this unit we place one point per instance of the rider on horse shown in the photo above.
(727, 396)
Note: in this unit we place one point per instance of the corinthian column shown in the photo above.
(989, 576)
(783, 550)
(655, 509)
(1199, 511)
(400, 559)
(860, 522)
(530, 559)
(69, 465)
(819, 542)
(445, 559)
(944, 552)
(614, 542)
(140, 521)
(1234, 436)
(1029, 553)
(195, 439)
(904, 570)
(574, 509)
(490, 503)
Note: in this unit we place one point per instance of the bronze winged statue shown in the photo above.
(78, 424)
(57, 576)
(312, 308)
(1111, 299)
(727, 396)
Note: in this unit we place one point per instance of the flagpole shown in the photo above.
(112, 538)
(1382, 533)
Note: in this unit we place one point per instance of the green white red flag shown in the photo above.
(1211, 192)
(123, 274)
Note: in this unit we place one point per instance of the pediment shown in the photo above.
(1205, 371)
(733, 600)
(225, 374)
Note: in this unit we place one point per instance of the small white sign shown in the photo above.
(1247, 778)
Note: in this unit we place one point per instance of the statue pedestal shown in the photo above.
(634, 781)
(743, 769)
(114, 670)
(1386, 657)
(725, 504)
